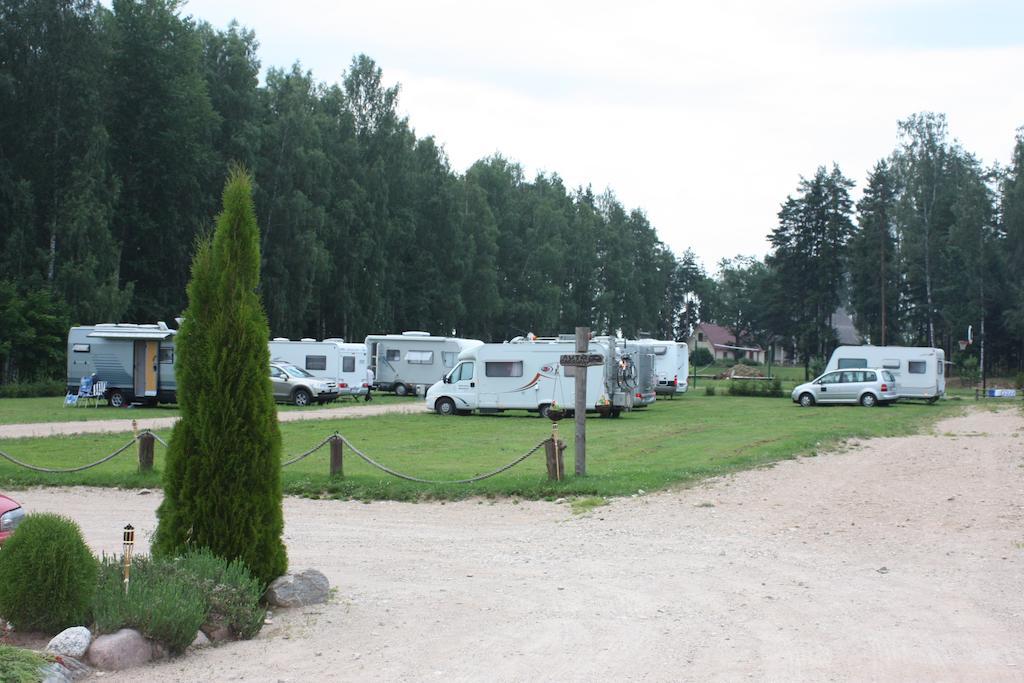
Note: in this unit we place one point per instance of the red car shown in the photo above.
(11, 515)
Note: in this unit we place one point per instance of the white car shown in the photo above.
(866, 386)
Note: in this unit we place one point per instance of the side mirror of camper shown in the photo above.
(447, 379)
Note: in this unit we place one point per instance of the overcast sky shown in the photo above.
(704, 115)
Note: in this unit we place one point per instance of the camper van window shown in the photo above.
(348, 363)
(316, 362)
(660, 350)
(80, 348)
(891, 363)
(419, 357)
(167, 356)
(504, 368)
(852, 363)
(916, 367)
(392, 355)
(448, 358)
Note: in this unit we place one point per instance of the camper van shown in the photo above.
(671, 366)
(412, 361)
(330, 359)
(919, 371)
(136, 361)
(518, 375)
(641, 352)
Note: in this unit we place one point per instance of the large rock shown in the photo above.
(121, 650)
(72, 642)
(308, 587)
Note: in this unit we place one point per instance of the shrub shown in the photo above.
(709, 390)
(21, 666)
(32, 389)
(746, 387)
(160, 605)
(170, 599)
(750, 362)
(1018, 381)
(701, 357)
(47, 575)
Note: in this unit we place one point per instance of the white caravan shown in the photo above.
(135, 361)
(919, 370)
(330, 359)
(518, 375)
(671, 366)
(405, 363)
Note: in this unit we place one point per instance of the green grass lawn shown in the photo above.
(672, 442)
(51, 409)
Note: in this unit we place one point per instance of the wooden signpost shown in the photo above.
(582, 360)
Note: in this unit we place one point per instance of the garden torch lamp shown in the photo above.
(129, 544)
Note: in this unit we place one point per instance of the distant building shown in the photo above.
(722, 344)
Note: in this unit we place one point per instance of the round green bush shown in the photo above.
(47, 575)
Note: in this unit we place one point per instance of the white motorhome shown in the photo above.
(671, 366)
(330, 359)
(919, 370)
(135, 361)
(404, 363)
(519, 375)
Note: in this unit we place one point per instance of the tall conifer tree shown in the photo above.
(223, 483)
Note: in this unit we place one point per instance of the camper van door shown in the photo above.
(145, 367)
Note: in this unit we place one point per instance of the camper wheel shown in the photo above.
(444, 406)
(116, 398)
(301, 397)
(401, 390)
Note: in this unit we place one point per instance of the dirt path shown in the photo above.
(18, 431)
(896, 559)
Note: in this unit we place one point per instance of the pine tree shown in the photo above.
(223, 482)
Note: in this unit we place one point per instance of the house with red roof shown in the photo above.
(722, 344)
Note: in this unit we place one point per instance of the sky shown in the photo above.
(704, 115)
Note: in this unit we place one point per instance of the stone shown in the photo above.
(55, 673)
(72, 642)
(122, 650)
(308, 587)
(217, 633)
(200, 640)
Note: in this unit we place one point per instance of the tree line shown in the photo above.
(118, 125)
(931, 254)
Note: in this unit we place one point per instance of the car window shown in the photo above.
(849, 377)
(830, 378)
(870, 376)
(888, 376)
(296, 371)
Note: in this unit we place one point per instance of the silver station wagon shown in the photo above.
(866, 386)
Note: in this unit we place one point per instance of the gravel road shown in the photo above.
(893, 559)
(19, 431)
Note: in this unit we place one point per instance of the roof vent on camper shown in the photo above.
(307, 339)
(281, 339)
(161, 325)
(415, 333)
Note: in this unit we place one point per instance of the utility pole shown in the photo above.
(582, 345)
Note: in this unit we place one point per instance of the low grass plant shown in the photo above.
(671, 442)
(18, 665)
(168, 600)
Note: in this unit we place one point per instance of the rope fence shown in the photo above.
(147, 438)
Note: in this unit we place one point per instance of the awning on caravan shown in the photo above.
(131, 334)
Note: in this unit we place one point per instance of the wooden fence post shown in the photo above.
(555, 459)
(337, 465)
(146, 441)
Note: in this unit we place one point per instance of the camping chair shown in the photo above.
(84, 390)
(99, 390)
